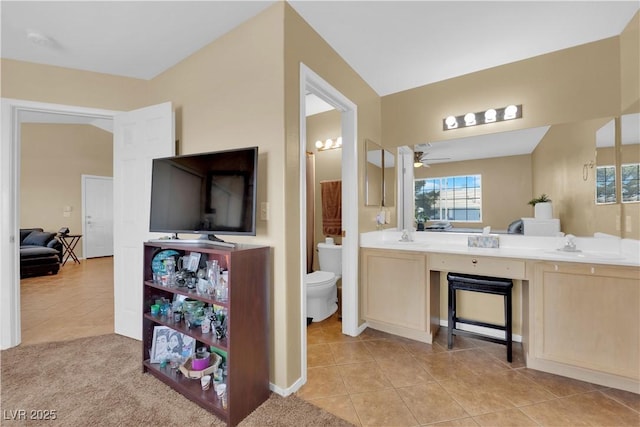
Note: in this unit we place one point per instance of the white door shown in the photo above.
(97, 206)
(138, 137)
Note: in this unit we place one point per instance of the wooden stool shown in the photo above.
(486, 285)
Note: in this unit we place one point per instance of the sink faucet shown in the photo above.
(570, 244)
(405, 237)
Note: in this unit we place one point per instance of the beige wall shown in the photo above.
(630, 103)
(303, 44)
(231, 94)
(561, 87)
(45, 83)
(328, 165)
(506, 187)
(53, 158)
(558, 172)
(630, 65)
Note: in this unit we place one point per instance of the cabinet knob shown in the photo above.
(474, 261)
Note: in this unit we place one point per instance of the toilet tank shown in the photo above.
(330, 258)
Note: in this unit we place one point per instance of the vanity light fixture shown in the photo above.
(329, 144)
(491, 115)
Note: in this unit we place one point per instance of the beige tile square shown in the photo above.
(382, 408)
(316, 336)
(632, 400)
(444, 366)
(508, 418)
(350, 352)
(475, 397)
(592, 408)
(459, 342)
(499, 351)
(322, 382)
(361, 377)
(559, 386)
(319, 355)
(340, 406)
(480, 361)
(403, 371)
(385, 349)
(417, 348)
(516, 388)
(430, 403)
(462, 422)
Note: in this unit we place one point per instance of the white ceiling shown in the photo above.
(392, 45)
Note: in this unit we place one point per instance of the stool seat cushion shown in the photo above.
(470, 282)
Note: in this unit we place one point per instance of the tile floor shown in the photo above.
(378, 379)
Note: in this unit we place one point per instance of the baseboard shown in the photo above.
(284, 392)
(482, 330)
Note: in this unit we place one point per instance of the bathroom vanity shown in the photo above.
(577, 312)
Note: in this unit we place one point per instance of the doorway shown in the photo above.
(13, 111)
(310, 82)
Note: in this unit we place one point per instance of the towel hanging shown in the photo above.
(331, 195)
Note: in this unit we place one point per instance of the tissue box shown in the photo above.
(483, 241)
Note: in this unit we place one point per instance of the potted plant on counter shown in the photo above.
(542, 207)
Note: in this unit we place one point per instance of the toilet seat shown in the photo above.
(319, 278)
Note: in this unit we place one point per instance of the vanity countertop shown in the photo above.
(592, 250)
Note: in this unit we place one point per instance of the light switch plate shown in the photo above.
(264, 211)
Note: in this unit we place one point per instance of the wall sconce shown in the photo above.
(329, 144)
(492, 115)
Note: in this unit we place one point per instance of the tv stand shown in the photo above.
(205, 239)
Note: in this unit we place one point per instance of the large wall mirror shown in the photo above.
(379, 175)
(515, 166)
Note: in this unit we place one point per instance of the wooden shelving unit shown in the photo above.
(247, 345)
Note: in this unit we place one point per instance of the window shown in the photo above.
(605, 184)
(630, 175)
(453, 198)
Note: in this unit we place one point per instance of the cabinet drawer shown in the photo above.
(479, 265)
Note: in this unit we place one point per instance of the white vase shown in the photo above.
(543, 210)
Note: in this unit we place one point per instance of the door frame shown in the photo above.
(312, 82)
(10, 334)
(84, 205)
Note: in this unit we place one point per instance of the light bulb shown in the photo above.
(327, 144)
(490, 115)
(339, 142)
(510, 112)
(451, 122)
(319, 144)
(469, 119)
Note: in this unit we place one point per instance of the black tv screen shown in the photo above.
(208, 193)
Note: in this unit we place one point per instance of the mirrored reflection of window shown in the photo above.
(630, 189)
(455, 198)
(605, 184)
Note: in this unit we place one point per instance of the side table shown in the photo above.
(69, 242)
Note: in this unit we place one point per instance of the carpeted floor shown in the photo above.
(98, 381)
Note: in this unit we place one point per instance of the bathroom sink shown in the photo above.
(584, 255)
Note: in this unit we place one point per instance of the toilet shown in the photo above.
(322, 294)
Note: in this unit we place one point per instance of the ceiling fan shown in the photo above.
(420, 158)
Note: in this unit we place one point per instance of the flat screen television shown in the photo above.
(208, 194)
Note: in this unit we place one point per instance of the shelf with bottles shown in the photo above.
(195, 332)
(189, 293)
(190, 387)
